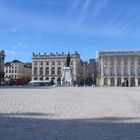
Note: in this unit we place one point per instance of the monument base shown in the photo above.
(67, 79)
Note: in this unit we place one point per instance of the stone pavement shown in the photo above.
(70, 114)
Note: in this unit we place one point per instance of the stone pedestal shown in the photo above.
(67, 78)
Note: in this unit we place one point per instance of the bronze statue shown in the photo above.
(68, 60)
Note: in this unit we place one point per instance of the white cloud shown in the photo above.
(83, 12)
(31, 21)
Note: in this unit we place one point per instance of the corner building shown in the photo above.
(16, 70)
(49, 67)
(119, 68)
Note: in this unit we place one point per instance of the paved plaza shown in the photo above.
(70, 113)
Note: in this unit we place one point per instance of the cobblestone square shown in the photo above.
(69, 113)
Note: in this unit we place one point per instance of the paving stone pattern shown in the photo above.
(70, 113)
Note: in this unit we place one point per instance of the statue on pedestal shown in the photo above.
(67, 77)
(68, 60)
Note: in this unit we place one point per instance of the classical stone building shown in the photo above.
(119, 68)
(17, 70)
(48, 67)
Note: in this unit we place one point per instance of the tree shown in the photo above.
(84, 77)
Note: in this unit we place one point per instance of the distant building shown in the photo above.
(2, 56)
(93, 65)
(17, 70)
(48, 67)
(119, 68)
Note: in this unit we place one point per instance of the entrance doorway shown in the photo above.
(126, 82)
(112, 82)
(138, 81)
(58, 81)
(119, 82)
(132, 82)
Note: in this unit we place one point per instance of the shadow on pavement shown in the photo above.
(24, 126)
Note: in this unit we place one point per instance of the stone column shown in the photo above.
(136, 82)
(101, 82)
(136, 70)
(38, 69)
(108, 66)
(115, 66)
(129, 66)
(136, 66)
(122, 66)
(102, 67)
(122, 80)
(50, 68)
(44, 70)
(33, 70)
(129, 80)
(56, 68)
(74, 69)
(129, 70)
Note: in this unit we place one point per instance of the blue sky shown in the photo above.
(85, 26)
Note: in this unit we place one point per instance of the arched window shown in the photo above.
(41, 78)
(53, 63)
(47, 71)
(59, 81)
(35, 63)
(47, 78)
(41, 63)
(138, 70)
(59, 70)
(41, 71)
(132, 71)
(35, 71)
(118, 71)
(112, 71)
(125, 71)
(105, 71)
(35, 78)
(59, 62)
(105, 81)
(53, 70)
(47, 63)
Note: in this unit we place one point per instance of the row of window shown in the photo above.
(11, 76)
(120, 83)
(11, 71)
(119, 74)
(53, 72)
(119, 62)
(47, 78)
(48, 63)
(125, 71)
(11, 67)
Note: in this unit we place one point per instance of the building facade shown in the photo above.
(2, 56)
(17, 70)
(48, 67)
(119, 68)
(92, 65)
